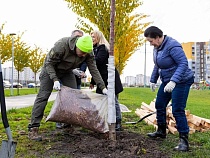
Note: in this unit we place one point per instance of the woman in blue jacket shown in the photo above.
(171, 66)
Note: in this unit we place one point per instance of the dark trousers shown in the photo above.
(46, 87)
(118, 111)
(79, 82)
(179, 97)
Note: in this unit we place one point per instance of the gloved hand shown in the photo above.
(152, 86)
(104, 91)
(57, 86)
(79, 73)
(169, 87)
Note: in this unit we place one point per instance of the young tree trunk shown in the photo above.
(35, 82)
(111, 78)
(18, 93)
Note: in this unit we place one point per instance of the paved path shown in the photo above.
(24, 100)
(28, 100)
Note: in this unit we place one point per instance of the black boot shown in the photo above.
(160, 133)
(118, 126)
(183, 143)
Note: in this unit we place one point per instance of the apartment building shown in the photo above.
(198, 55)
(141, 80)
(25, 77)
(137, 81)
(130, 81)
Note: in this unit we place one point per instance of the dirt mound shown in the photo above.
(86, 144)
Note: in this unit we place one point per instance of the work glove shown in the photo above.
(152, 86)
(57, 86)
(79, 73)
(169, 87)
(104, 91)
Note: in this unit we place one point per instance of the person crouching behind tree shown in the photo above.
(101, 52)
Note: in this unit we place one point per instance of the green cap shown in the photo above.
(85, 44)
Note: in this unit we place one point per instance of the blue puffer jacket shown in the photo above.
(170, 62)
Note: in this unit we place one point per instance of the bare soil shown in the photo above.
(82, 143)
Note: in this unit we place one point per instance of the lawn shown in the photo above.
(22, 91)
(198, 104)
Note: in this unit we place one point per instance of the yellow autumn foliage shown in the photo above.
(36, 60)
(128, 26)
(5, 45)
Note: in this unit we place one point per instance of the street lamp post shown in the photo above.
(145, 65)
(11, 90)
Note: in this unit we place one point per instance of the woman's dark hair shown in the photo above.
(153, 32)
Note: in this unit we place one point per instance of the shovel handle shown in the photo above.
(2, 101)
(133, 123)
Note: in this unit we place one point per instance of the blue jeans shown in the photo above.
(118, 111)
(179, 97)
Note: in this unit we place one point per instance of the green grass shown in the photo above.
(198, 101)
(22, 91)
(198, 104)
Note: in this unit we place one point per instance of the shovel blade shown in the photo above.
(8, 149)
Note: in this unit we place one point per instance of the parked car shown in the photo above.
(38, 85)
(207, 83)
(31, 85)
(6, 84)
(17, 85)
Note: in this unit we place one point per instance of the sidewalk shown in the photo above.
(27, 100)
(24, 100)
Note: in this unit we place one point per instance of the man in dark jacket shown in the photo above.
(67, 54)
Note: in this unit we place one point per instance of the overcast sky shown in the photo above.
(45, 21)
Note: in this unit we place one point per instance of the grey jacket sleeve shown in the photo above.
(54, 57)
